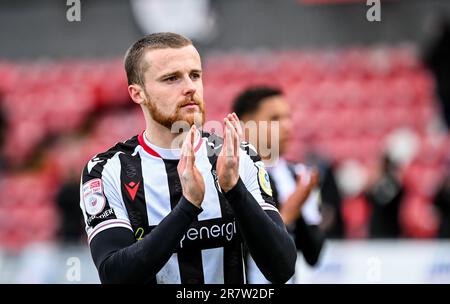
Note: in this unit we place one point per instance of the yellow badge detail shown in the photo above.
(264, 180)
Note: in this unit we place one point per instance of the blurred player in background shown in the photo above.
(156, 213)
(384, 192)
(294, 186)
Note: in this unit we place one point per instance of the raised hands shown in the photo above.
(192, 181)
(228, 160)
(307, 179)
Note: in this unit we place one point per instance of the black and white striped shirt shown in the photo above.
(135, 185)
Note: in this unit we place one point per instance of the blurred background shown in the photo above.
(370, 103)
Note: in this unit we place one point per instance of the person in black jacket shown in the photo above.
(385, 194)
(330, 196)
(67, 199)
(294, 186)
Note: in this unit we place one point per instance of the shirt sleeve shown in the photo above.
(255, 177)
(119, 258)
(100, 199)
(260, 223)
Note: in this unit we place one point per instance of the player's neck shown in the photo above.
(162, 137)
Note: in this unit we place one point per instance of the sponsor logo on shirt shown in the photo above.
(105, 214)
(225, 231)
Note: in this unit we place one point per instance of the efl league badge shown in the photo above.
(93, 198)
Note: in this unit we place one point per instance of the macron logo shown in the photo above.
(132, 188)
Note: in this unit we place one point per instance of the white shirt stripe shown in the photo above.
(170, 273)
(212, 260)
(156, 188)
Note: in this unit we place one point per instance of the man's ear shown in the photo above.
(136, 93)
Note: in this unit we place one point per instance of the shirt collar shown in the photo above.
(162, 152)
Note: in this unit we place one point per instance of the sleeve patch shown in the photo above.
(264, 180)
(93, 198)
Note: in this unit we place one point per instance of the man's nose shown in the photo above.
(189, 87)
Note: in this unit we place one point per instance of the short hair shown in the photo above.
(133, 58)
(248, 101)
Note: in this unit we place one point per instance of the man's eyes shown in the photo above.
(195, 75)
(171, 78)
